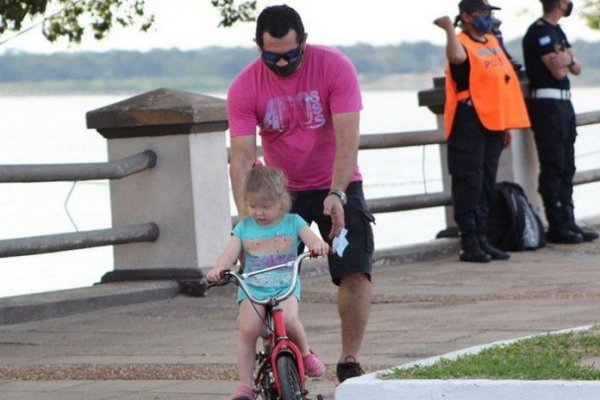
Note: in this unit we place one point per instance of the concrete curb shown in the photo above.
(18, 309)
(370, 385)
(471, 390)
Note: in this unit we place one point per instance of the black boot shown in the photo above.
(586, 234)
(494, 253)
(563, 236)
(470, 250)
(569, 214)
(558, 224)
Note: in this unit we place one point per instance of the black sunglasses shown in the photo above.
(288, 56)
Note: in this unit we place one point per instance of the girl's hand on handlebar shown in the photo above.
(319, 248)
(214, 275)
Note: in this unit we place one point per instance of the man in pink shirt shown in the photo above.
(305, 101)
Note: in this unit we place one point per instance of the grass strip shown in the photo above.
(566, 356)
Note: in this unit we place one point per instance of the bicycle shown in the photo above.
(279, 370)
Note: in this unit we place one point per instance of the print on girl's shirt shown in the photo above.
(263, 253)
(280, 244)
(286, 112)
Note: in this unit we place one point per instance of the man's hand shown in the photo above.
(333, 207)
(445, 23)
(455, 51)
(557, 63)
(560, 59)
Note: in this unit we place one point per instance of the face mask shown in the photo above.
(288, 69)
(569, 9)
(483, 24)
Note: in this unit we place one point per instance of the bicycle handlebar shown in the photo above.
(240, 279)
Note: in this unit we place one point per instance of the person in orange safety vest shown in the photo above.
(483, 102)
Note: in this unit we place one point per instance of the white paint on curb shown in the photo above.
(353, 389)
(370, 386)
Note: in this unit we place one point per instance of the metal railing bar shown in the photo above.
(400, 139)
(428, 200)
(387, 140)
(78, 240)
(427, 137)
(399, 203)
(588, 176)
(409, 202)
(78, 172)
(439, 199)
(588, 118)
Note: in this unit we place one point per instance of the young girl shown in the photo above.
(268, 235)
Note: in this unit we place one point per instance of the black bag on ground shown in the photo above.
(513, 224)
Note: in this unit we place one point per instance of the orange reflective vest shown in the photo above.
(494, 88)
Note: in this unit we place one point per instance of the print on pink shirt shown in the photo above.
(285, 112)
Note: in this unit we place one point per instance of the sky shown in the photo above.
(192, 24)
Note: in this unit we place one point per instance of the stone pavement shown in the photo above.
(184, 347)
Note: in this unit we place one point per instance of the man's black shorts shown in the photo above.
(358, 255)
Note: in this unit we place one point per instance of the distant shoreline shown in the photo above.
(388, 82)
(116, 86)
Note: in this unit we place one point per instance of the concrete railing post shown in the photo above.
(434, 99)
(186, 194)
(517, 164)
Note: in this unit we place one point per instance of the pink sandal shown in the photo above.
(313, 367)
(243, 392)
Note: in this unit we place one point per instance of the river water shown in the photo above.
(51, 129)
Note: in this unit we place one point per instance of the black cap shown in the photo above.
(469, 6)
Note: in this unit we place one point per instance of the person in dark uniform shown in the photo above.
(483, 102)
(549, 59)
(498, 33)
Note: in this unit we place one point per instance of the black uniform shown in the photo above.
(553, 123)
(473, 156)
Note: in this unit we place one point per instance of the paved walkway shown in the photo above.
(183, 347)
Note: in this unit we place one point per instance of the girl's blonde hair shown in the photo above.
(270, 183)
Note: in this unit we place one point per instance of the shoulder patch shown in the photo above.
(545, 40)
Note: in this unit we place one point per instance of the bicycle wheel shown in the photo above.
(289, 379)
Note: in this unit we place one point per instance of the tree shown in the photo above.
(591, 13)
(70, 18)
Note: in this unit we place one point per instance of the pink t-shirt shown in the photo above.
(294, 114)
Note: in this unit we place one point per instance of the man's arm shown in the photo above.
(347, 136)
(575, 66)
(560, 63)
(227, 258)
(243, 156)
(455, 52)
